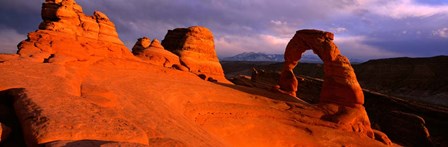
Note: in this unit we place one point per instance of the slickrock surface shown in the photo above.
(196, 49)
(154, 53)
(94, 92)
(148, 104)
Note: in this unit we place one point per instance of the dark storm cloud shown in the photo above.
(20, 15)
(228, 20)
(417, 48)
(229, 17)
(364, 28)
(17, 18)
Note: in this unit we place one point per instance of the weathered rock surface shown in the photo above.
(92, 143)
(341, 94)
(382, 109)
(348, 118)
(340, 83)
(6, 57)
(196, 49)
(140, 45)
(154, 53)
(118, 101)
(72, 35)
(94, 95)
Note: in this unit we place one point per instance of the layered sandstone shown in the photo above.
(196, 49)
(340, 83)
(67, 34)
(348, 118)
(115, 100)
(341, 95)
(154, 53)
(410, 128)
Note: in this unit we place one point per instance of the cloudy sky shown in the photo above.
(364, 29)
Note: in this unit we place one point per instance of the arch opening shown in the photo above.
(340, 85)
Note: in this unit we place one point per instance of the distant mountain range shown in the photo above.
(252, 56)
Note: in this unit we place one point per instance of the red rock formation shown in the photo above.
(140, 45)
(340, 84)
(154, 53)
(341, 95)
(121, 101)
(196, 49)
(69, 34)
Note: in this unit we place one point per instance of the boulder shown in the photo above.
(140, 45)
(196, 49)
(67, 31)
(154, 53)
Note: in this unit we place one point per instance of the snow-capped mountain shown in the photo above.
(252, 56)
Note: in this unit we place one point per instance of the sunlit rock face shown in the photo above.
(73, 83)
(196, 49)
(154, 53)
(67, 34)
(140, 45)
(341, 95)
(340, 83)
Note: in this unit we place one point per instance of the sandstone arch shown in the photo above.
(340, 85)
(341, 97)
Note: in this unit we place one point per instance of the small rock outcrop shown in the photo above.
(67, 32)
(196, 49)
(153, 52)
(140, 45)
